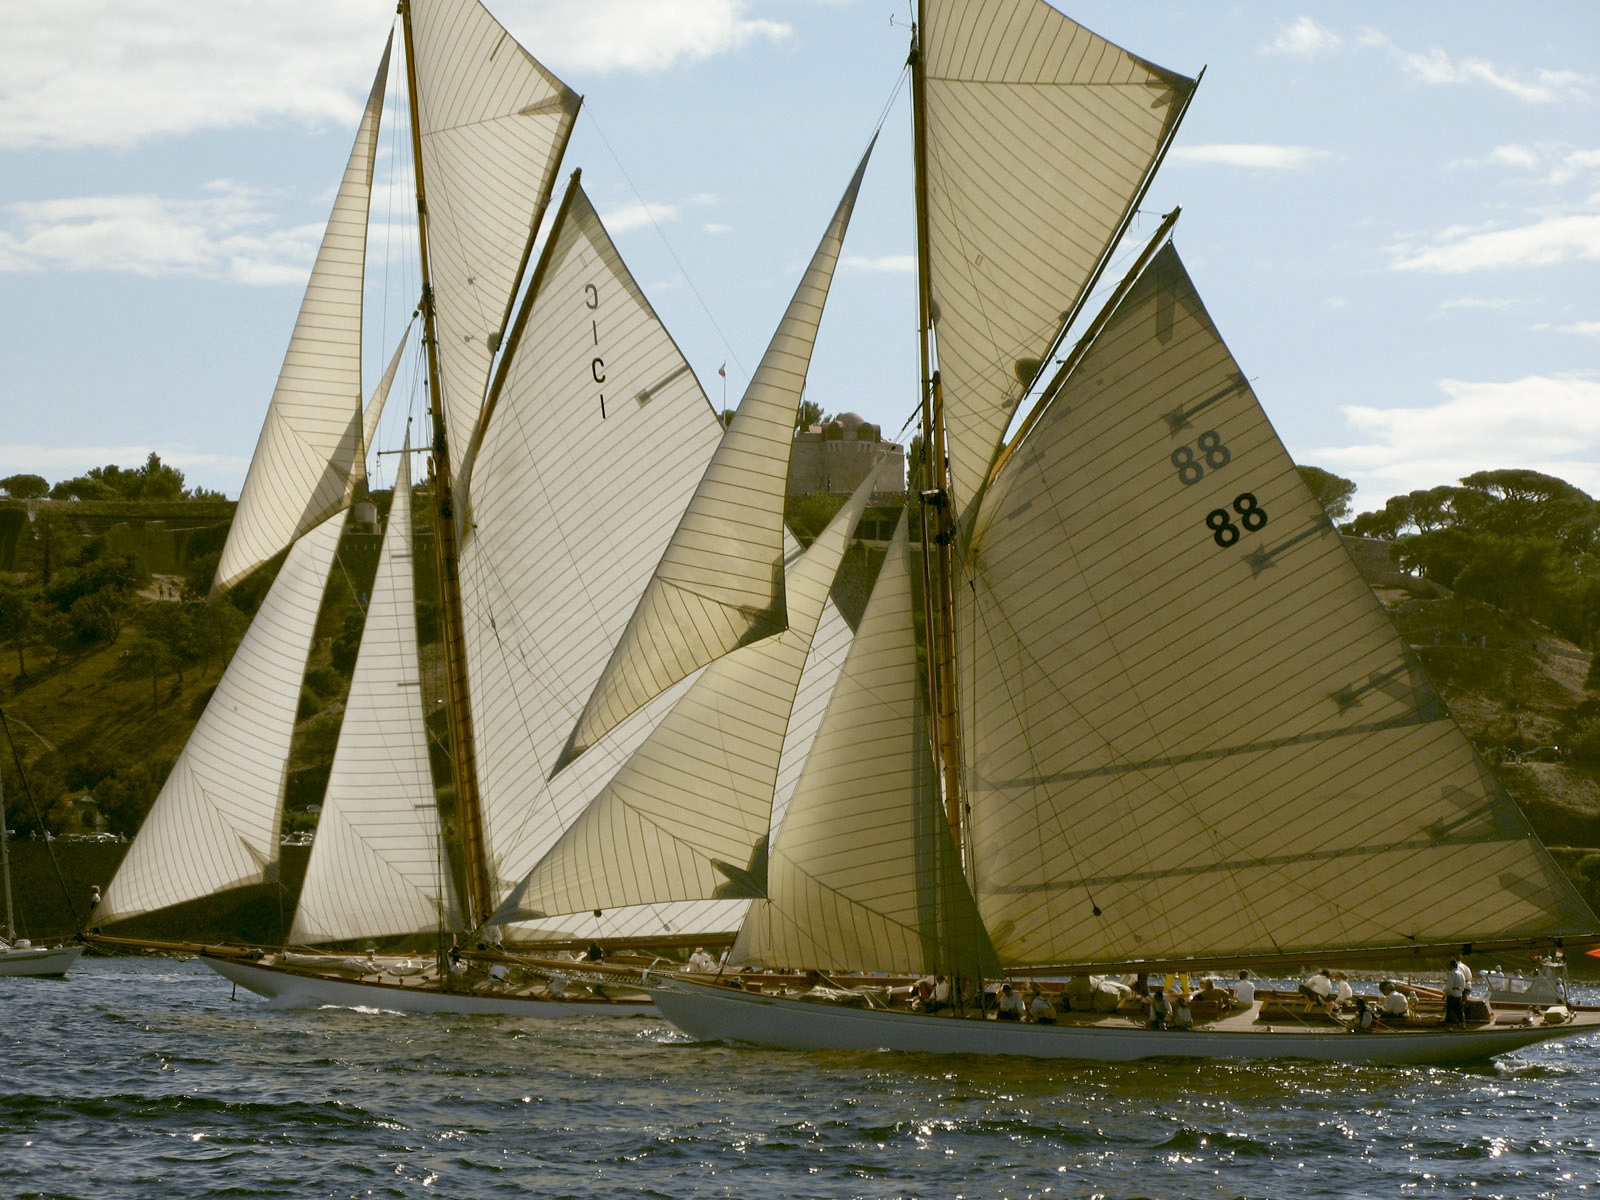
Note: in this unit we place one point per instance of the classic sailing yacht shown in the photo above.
(569, 437)
(1171, 727)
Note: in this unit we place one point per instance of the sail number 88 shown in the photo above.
(1208, 447)
(1223, 531)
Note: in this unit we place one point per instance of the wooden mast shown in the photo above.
(476, 898)
(937, 596)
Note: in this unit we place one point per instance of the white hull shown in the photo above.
(38, 960)
(720, 1014)
(293, 989)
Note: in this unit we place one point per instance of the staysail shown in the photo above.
(574, 499)
(492, 124)
(863, 875)
(313, 446)
(376, 868)
(1190, 729)
(720, 582)
(215, 823)
(688, 816)
(1040, 136)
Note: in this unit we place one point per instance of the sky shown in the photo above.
(1392, 212)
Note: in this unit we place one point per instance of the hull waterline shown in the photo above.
(293, 989)
(720, 1014)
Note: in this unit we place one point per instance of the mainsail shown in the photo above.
(1190, 729)
(377, 866)
(719, 584)
(863, 875)
(1040, 136)
(576, 491)
(215, 823)
(313, 448)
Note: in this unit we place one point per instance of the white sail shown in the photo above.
(719, 584)
(377, 866)
(863, 874)
(312, 449)
(688, 816)
(573, 505)
(493, 127)
(829, 647)
(1190, 728)
(215, 823)
(1039, 137)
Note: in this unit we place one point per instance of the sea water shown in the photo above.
(147, 1078)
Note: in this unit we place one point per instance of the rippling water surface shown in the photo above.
(143, 1078)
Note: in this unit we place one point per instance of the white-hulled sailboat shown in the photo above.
(1173, 729)
(19, 956)
(586, 437)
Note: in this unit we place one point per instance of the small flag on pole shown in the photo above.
(723, 370)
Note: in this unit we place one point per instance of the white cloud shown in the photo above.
(116, 72)
(1304, 39)
(880, 262)
(1581, 328)
(601, 36)
(1261, 156)
(1541, 422)
(1515, 156)
(227, 234)
(1547, 241)
(1434, 66)
(77, 73)
(1558, 164)
(716, 227)
(1479, 302)
(638, 215)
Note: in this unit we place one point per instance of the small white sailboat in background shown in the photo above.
(1172, 728)
(19, 956)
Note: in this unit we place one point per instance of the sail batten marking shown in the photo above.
(1347, 698)
(1225, 867)
(1260, 560)
(1416, 717)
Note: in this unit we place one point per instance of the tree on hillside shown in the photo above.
(95, 592)
(82, 487)
(808, 414)
(1332, 491)
(1417, 512)
(216, 628)
(173, 627)
(149, 657)
(1521, 540)
(155, 480)
(25, 487)
(16, 620)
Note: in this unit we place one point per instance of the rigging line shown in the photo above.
(588, 112)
